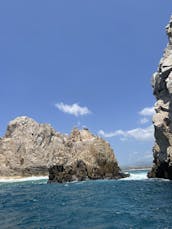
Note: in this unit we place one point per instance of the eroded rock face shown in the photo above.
(29, 148)
(162, 120)
(92, 158)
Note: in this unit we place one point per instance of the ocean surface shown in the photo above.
(135, 202)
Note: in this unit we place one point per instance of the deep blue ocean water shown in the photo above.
(129, 203)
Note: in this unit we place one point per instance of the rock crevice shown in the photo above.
(162, 120)
(29, 148)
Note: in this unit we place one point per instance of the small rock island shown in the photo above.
(162, 120)
(32, 149)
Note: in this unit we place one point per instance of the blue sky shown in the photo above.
(84, 63)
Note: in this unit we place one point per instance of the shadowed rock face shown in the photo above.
(79, 171)
(29, 148)
(92, 158)
(162, 120)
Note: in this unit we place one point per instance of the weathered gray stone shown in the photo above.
(28, 145)
(29, 148)
(92, 158)
(162, 120)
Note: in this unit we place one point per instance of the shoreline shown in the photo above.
(139, 169)
(4, 179)
(131, 169)
(13, 179)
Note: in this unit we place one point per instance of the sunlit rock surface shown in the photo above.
(29, 148)
(162, 120)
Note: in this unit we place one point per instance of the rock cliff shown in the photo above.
(92, 158)
(29, 148)
(162, 120)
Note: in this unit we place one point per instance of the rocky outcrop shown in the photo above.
(29, 148)
(92, 158)
(162, 120)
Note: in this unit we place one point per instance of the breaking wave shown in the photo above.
(137, 175)
(32, 178)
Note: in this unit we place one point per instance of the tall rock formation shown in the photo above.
(29, 148)
(91, 158)
(162, 120)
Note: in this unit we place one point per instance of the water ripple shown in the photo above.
(87, 205)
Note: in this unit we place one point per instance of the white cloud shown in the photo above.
(140, 134)
(135, 153)
(144, 120)
(112, 134)
(73, 109)
(140, 158)
(147, 111)
(148, 156)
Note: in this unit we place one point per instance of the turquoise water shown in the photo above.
(135, 202)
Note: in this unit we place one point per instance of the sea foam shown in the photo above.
(32, 178)
(136, 176)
